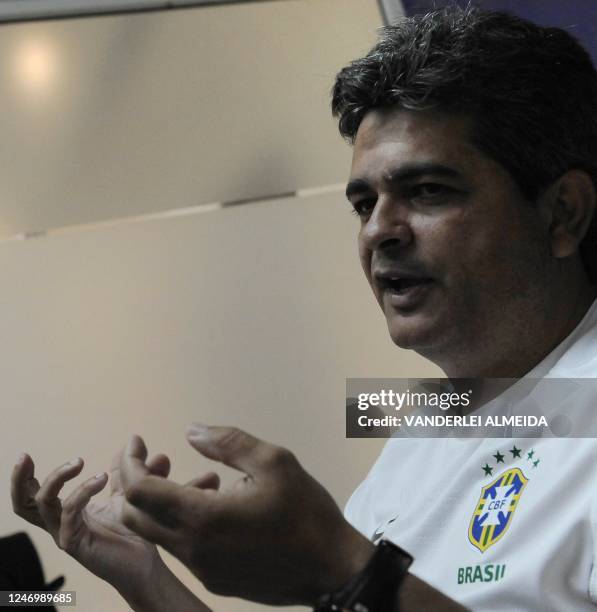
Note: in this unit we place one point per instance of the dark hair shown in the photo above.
(531, 91)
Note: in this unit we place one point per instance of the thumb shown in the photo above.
(230, 446)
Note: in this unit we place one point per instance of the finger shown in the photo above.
(165, 501)
(55, 480)
(48, 504)
(115, 484)
(159, 465)
(23, 488)
(234, 447)
(72, 523)
(132, 462)
(208, 481)
(137, 448)
(148, 528)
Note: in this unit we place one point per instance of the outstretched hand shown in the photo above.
(90, 530)
(276, 536)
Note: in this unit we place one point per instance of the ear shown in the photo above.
(572, 200)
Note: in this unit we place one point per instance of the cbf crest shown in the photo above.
(495, 509)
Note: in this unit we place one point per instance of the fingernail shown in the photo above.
(74, 462)
(100, 475)
(196, 430)
(21, 458)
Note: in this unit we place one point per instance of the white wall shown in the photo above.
(252, 316)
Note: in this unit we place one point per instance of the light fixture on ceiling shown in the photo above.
(35, 65)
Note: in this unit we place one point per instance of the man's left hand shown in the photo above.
(276, 536)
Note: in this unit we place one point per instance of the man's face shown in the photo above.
(454, 254)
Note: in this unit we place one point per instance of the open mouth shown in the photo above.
(403, 285)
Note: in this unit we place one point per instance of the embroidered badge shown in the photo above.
(495, 509)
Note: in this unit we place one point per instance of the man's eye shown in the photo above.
(363, 207)
(430, 191)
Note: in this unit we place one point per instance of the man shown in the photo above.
(473, 177)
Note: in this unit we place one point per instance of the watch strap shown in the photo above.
(374, 589)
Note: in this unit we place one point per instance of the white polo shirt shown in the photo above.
(506, 524)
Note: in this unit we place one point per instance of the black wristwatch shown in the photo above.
(375, 588)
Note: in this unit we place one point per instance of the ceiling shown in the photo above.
(20, 10)
(126, 115)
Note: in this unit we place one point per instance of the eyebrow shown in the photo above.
(407, 172)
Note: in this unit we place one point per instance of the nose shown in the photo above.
(388, 225)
